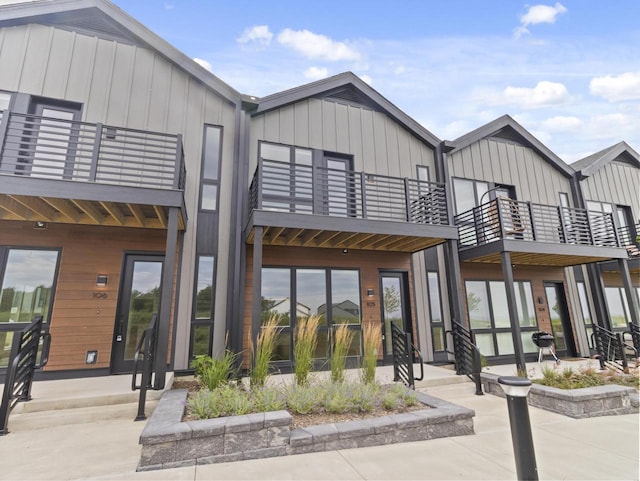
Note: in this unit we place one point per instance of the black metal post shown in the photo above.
(516, 389)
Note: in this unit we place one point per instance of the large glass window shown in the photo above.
(296, 293)
(586, 313)
(489, 316)
(26, 291)
(202, 320)
(618, 307)
(211, 152)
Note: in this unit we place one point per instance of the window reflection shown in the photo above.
(345, 296)
(204, 294)
(276, 295)
(478, 305)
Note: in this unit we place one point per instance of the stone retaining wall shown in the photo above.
(167, 442)
(609, 400)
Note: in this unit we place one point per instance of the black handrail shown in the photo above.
(145, 352)
(634, 332)
(23, 361)
(466, 354)
(611, 348)
(403, 357)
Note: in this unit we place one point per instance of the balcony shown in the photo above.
(537, 234)
(312, 206)
(630, 239)
(55, 170)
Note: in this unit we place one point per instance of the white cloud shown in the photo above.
(316, 73)
(616, 88)
(561, 124)
(366, 79)
(313, 45)
(538, 14)
(168, 6)
(544, 93)
(203, 63)
(258, 34)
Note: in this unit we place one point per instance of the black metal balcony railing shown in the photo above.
(52, 148)
(628, 236)
(505, 218)
(295, 188)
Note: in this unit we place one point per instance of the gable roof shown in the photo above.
(103, 19)
(594, 162)
(506, 127)
(346, 87)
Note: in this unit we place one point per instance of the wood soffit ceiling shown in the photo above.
(282, 236)
(536, 259)
(72, 211)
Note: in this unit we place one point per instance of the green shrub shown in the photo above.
(212, 373)
(304, 399)
(305, 341)
(371, 339)
(364, 396)
(268, 399)
(342, 338)
(261, 356)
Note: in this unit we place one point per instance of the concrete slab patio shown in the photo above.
(595, 448)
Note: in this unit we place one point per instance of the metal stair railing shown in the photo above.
(466, 354)
(611, 349)
(403, 356)
(23, 362)
(634, 333)
(145, 352)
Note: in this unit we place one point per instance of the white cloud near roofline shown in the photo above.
(616, 88)
(316, 46)
(316, 73)
(203, 63)
(536, 14)
(545, 93)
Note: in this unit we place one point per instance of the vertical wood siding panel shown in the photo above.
(213, 109)
(485, 158)
(14, 44)
(272, 126)
(193, 143)
(301, 124)
(140, 86)
(407, 162)
(118, 106)
(466, 164)
(476, 162)
(36, 58)
(342, 129)
(315, 124)
(380, 144)
(177, 96)
(98, 99)
(504, 176)
(524, 190)
(536, 178)
(496, 166)
(355, 136)
(59, 64)
(368, 142)
(393, 160)
(159, 95)
(287, 125)
(82, 60)
(455, 164)
(329, 140)
(621, 193)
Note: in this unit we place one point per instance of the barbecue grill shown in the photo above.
(544, 341)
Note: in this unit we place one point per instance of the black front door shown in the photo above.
(560, 322)
(139, 299)
(395, 308)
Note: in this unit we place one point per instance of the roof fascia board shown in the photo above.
(296, 94)
(164, 48)
(506, 121)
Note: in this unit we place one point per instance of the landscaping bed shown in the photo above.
(169, 442)
(603, 400)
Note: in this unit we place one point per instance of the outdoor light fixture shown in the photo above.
(515, 386)
(91, 358)
(370, 293)
(345, 251)
(102, 280)
(39, 225)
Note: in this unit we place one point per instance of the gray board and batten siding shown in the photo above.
(625, 180)
(505, 162)
(378, 144)
(134, 87)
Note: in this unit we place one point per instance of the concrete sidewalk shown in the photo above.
(596, 448)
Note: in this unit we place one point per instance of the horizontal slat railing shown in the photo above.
(46, 147)
(505, 218)
(286, 187)
(628, 236)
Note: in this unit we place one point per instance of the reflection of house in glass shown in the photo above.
(345, 312)
(283, 307)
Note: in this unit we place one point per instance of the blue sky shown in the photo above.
(568, 71)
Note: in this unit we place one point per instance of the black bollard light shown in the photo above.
(516, 389)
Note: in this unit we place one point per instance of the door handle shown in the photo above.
(119, 334)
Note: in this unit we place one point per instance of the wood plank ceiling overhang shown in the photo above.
(82, 211)
(537, 259)
(335, 239)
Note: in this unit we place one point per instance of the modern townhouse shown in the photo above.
(117, 151)
(609, 182)
(134, 182)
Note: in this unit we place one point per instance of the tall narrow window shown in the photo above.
(202, 325)
(210, 168)
(586, 313)
(435, 308)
